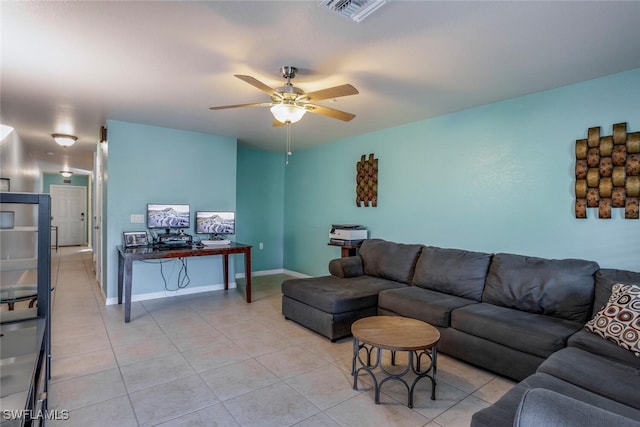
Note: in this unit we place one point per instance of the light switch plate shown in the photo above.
(137, 219)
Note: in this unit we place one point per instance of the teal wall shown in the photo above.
(260, 207)
(49, 179)
(498, 178)
(148, 164)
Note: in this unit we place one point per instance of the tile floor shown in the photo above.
(211, 359)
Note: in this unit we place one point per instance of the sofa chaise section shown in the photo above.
(329, 305)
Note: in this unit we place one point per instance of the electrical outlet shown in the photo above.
(261, 245)
(137, 219)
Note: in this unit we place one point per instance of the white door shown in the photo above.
(69, 213)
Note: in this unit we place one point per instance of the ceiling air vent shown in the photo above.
(356, 10)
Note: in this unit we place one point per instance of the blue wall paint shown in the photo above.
(49, 179)
(260, 207)
(149, 164)
(497, 178)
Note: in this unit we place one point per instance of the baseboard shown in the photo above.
(169, 294)
(271, 272)
(208, 288)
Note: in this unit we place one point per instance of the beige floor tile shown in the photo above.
(213, 416)
(363, 411)
(133, 332)
(144, 349)
(67, 346)
(325, 386)
(459, 415)
(318, 420)
(77, 366)
(206, 358)
(87, 390)
(263, 344)
(192, 338)
(460, 375)
(291, 361)
(275, 405)
(238, 378)
(117, 411)
(149, 373)
(169, 400)
(494, 389)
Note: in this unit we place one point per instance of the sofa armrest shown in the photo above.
(346, 267)
(541, 407)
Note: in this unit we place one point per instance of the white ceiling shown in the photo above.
(68, 66)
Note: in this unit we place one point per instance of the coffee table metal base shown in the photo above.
(414, 364)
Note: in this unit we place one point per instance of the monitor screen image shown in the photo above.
(215, 222)
(168, 216)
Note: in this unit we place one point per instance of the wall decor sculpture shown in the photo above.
(608, 172)
(367, 182)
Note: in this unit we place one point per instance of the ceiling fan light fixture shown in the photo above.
(64, 140)
(66, 174)
(287, 113)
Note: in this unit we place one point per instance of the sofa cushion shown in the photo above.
(389, 260)
(605, 279)
(541, 407)
(334, 295)
(597, 374)
(422, 304)
(346, 267)
(503, 412)
(619, 320)
(531, 333)
(559, 288)
(593, 343)
(452, 271)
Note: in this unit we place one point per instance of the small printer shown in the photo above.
(347, 233)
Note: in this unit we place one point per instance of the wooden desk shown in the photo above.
(126, 256)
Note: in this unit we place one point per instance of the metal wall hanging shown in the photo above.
(367, 182)
(608, 172)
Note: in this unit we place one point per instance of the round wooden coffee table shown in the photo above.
(374, 334)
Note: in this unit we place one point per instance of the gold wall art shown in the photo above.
(608, 172)
(367, 182)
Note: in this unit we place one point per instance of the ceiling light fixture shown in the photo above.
(287, 112)
(66, 174)
(64, 140)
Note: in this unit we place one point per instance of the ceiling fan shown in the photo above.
(289, 103)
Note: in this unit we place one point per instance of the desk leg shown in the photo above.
(247, 272)
(120, 277)
(128, 267)
(225, 270)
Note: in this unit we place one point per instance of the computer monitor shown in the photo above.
(215, 222)
(168, 216)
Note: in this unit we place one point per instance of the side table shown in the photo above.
(419, 339)
(347, 250)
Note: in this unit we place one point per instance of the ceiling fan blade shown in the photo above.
(255, 104)
(330, 112)
(277, 123)
(258, 84)
(332, 92)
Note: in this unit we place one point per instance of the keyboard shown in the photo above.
(215, 242)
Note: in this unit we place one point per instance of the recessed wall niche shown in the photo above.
(608, 172)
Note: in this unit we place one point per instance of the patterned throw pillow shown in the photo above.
(619, 320)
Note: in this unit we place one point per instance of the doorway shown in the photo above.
(69, 214)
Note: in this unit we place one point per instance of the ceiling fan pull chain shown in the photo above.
(288, 143)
